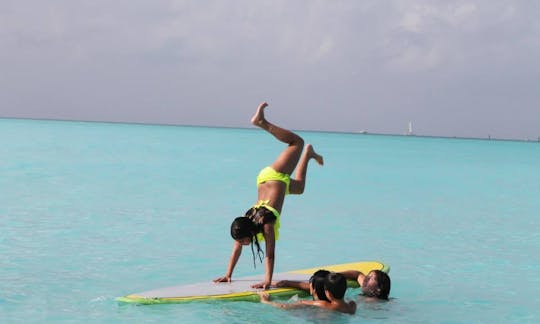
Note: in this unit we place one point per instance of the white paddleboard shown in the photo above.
(240, 289)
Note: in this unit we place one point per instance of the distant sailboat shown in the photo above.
(410, 131)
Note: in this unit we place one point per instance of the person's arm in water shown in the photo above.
(338, 306)
(265, 299)
(235, 255)
(270, 241)
(354, 275)
(302, 285)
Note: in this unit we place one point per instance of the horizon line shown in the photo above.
(360, 132)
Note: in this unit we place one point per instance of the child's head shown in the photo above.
(376, 284)
(335, 284)
(316, 283)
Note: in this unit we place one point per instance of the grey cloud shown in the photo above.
(454, 68)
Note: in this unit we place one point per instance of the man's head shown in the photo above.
(316, 284)
(376, 284)
(335, 284)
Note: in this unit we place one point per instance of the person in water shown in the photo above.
(335, 285)
(262, 221)
(376, 284)
(315, 285)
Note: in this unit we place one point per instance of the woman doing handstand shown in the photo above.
(262, 221)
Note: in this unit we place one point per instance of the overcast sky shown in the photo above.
(454, 68)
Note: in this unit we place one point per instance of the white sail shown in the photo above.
(410, 131)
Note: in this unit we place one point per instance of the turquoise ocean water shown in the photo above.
(93, 211)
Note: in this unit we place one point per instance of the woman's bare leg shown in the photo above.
(299, 182)
(287, 160)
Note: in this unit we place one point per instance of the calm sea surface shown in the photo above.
(93, 211)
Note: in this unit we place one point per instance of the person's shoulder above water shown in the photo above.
(328, 291)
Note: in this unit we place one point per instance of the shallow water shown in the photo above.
(93, 211)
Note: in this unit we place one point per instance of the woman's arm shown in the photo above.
(265, 299)
(235, 255)
(270, 240)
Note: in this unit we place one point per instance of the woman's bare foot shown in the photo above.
(312, 154)
(258, 118)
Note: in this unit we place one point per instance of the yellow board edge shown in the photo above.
(364, 267)
(243, 296)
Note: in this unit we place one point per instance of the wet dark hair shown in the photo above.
(243, 227)
(382, 289)
(317, 283)
(336, 284)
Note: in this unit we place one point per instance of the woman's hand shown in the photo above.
(223, 279)
(264, 285)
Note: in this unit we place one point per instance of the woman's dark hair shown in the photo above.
(243, 227)
(336, 284)
(317, 283)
